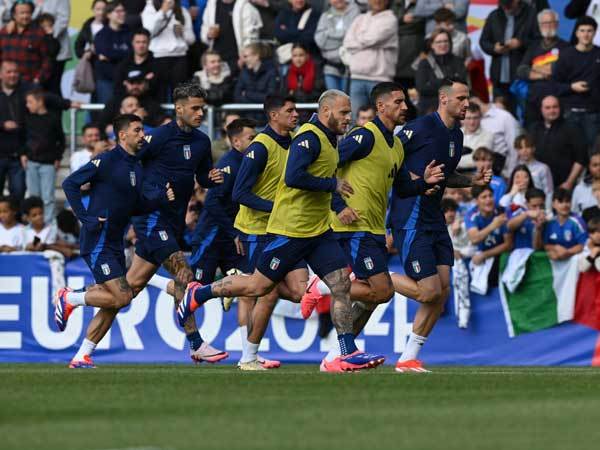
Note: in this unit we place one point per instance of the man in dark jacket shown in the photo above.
(141, 59)
(287, 21)
(559, 144)
(507, 33)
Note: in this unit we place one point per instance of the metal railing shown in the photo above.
(209, 118)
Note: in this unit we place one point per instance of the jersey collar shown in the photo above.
(282, 141)
(441, 122)
(124, 153)
(387, 134)
(330, 135)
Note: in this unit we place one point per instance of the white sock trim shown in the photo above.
(86, 349)
(76, 298)
(413, 347)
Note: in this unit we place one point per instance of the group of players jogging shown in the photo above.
(278, 203)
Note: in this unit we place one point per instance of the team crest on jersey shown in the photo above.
(274, 265)
(105, 269)
(163, 235)
(132, 178)
(568, 235)
(369, 263)
(416, 266)
(187, 151)
(199, 273)
(451, 149)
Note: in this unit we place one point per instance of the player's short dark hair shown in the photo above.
(111, 6)
(474, 108)
(480, 152)
(238, 125)
(122, 122)
(448, 82)
(141, 31)
(383, 88)
(593, 224)
(365, 108)
(444, 15)
(38, 93)
(586, 20)
(532, 193)
(32, 202)
(562, 195)
(188, 89)
(13, 202)
(448, 204)
(476, 191)
(274, 102)
(524, 140)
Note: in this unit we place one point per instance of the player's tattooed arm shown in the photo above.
(479, 178)
(338, 283)
(124, 286)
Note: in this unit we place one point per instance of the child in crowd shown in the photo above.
(11, 231)
(565, 235)
(589, 256)
(38, 234)
(302, 80)
(527, 224)
(540, 172)
(592, 211)
(484, 160)
(486, 227)
(583, 196)
(462, 197)
(520, 182)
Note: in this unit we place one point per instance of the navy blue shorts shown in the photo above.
(254, 246)
(366, 253)
(421, 251)
(283, 254)
(156, 239)
(215, 251)
(106, 265)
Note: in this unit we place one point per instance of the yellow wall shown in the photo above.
(81, 10)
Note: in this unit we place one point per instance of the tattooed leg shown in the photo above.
(338, 283)
(115, 293)
(178, 266)
(361, 313)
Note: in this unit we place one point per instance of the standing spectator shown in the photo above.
(44, 147)
(303, 80)
(577, 74)
(540, 172)
(61, 11)
(112, 44)
(297, 23)
(520, 182)
(172, 34)
(215, 78)
(365, 114)
(559, 144)
(474, 136)
(85, 39)
(224, 19)
(11, 231)
(427, 9)
(371, 45)
(24, 42)
(12, 117)
(268, 10)
(329, 36)
(579, 8)
(439, 64)
(538, 61)
(565, 235)
(445, 19)
(258, 78)
(507, 33)
(90, 135)
(583, 195)
(133, 10)
(411, 40)
(505, 129)
(46, 23)
(140, 60)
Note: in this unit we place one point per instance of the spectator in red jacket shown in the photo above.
(302, 78)
(24, 43)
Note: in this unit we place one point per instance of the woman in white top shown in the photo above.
(171, 32)
(520, 182)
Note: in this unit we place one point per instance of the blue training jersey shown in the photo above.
(523, 236)
(569, 234)
(219, 208)
(498, 185)
(476, 220)
(425, 139)
(177, 157)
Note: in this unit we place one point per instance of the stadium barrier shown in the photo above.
(147, 331)
(209, 118)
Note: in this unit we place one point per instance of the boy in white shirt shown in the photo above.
(39, 236)
(11, 231)
(540, 172)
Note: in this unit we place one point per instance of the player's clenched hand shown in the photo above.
(170, 193)
(432, 191)
(348, 215)
(343, 188)
(238, 246)
(482, 177)
(216, 176)
(433, 173)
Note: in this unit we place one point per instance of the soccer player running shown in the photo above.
(180, 154)
(300, 224)
(255, 189)
(114, 197)
(417, 223)
(371, 159)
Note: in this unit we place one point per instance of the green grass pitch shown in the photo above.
(296, 407)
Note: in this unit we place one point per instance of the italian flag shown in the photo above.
(544, 296)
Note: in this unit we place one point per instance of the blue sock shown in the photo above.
(347, 345)
(195, 340)
(203, 294)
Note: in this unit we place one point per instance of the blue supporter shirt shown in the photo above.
(425, 139)
(498, 185)
(476, 220)
(523, 236)
(569, 234)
